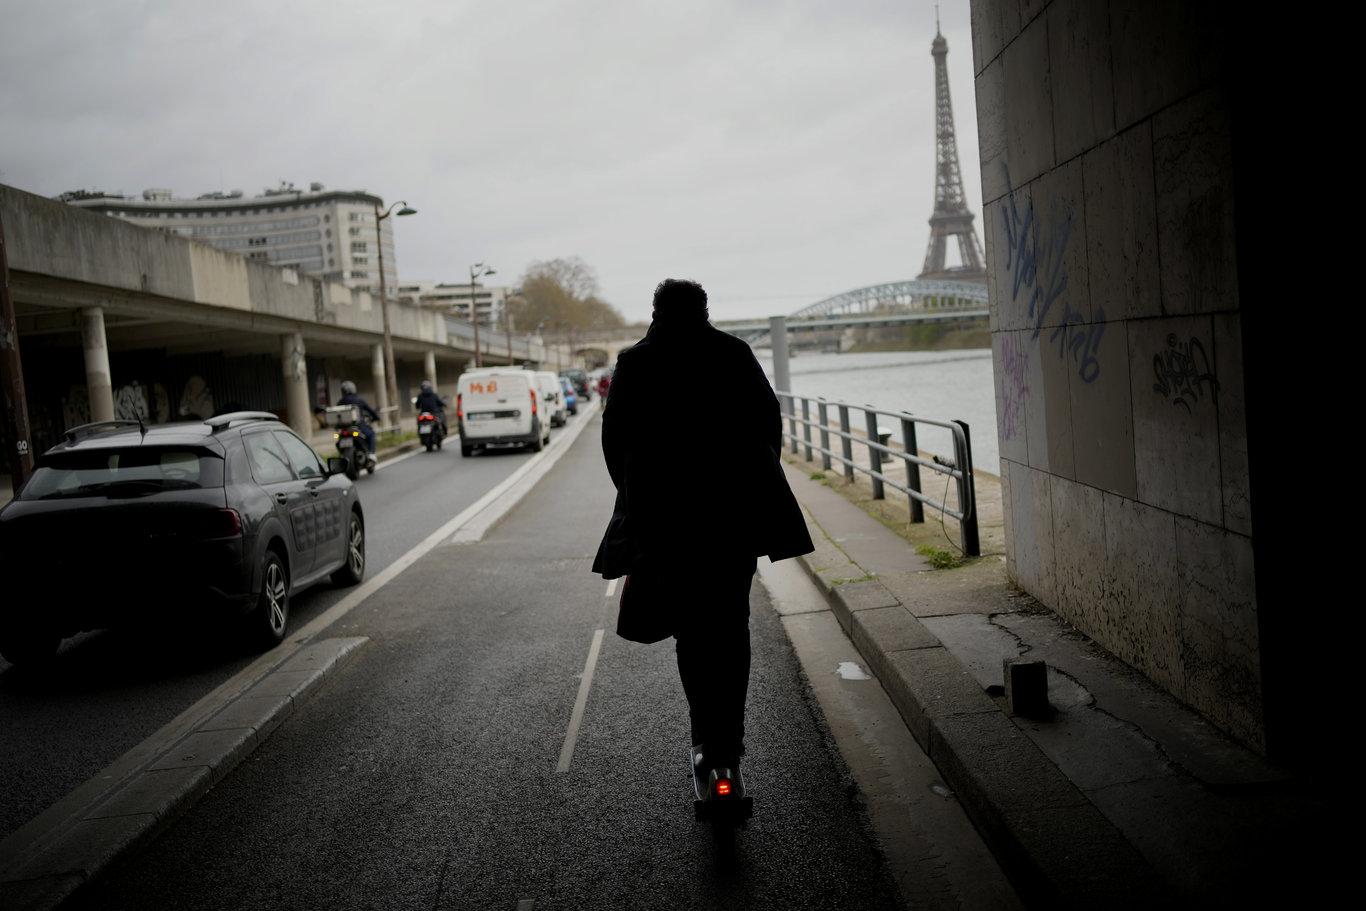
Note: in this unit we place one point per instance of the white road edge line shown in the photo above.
(69, 808)
(612, 586)
(571, 736)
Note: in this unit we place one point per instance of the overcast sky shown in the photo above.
(778, 152)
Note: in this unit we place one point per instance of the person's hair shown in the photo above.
(348, 387)
(680, 299)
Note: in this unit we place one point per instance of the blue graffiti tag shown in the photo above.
(1035, 259)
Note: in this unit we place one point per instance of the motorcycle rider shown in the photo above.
(367, 414)
(429, 400)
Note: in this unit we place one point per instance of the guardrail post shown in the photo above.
(912, 469)
(967, 493)
(846, 444)
(874, 454)
(792, 422)
(825, 433)
(806, 427)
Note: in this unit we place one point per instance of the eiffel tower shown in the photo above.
(951, 217)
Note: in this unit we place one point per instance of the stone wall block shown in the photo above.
(1193, 175)
(1220, 646)
(1029, 109)
(1155, 56)
(1142, 625)
(1011, 246)
(1033, 522)
(1228, 367)
(991, 130)
(1079, 555)
(1061, 278)
(1121, 226)
(1102, 407)
(1048, 407)
(995, 23)
(1176, 426)
(1012, 353)
(1079, 74)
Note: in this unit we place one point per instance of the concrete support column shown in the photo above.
(294, 367)
(381, 384)
(99, 387)
(429, 368)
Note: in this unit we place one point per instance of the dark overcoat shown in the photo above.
(691, 432)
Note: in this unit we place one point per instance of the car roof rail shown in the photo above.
(223, 421)
(94, 427)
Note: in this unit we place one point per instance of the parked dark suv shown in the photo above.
(124, 524)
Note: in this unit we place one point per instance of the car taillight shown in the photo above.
(533, 401)
(459, 405)
(220, 523)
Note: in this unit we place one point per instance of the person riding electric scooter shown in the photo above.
(367, 414)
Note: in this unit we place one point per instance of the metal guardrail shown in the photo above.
(959, 469)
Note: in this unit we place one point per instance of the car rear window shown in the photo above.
(124, 472)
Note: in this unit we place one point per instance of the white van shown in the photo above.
(549, 384)
(498, 406)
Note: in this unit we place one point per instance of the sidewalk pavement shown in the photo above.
(1121, 796)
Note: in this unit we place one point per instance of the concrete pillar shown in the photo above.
(99, 387)
(429, 367)
(381, 385)
(294, 367)
(777, 333)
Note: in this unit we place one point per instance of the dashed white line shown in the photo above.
(571, 736)
(612, 586)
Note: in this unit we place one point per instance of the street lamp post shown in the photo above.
(478, 270)
(389, 371)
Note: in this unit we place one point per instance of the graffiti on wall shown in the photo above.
(196, 399)
(1014, 384)
(1183, 372)
(130, 403)
(1036, 259)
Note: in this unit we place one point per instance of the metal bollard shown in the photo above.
(874, 454)
(912, 469)
(846, 444)
(806, 427)
(825, 433)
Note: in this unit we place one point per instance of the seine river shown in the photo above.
(944, 385)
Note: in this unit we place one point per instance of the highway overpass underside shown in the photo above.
(165, 361)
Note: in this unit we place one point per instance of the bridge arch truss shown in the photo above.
(904, 295)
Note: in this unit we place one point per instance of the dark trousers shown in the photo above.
(712, 644)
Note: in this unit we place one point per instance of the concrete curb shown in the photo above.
(1054, 844)
(84, 836)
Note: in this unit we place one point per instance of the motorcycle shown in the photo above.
(350, 441)
(430, 430)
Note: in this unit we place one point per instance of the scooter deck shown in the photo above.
(738, 807)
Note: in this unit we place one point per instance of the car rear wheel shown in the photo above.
(271, 616)
(353, 570)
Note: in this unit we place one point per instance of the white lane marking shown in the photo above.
(526, 904)
(396, 459)
(571, 736)
(496, 509)
(612, 586)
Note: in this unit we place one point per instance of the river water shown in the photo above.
(944, 385)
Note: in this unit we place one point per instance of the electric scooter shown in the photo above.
(720, 793)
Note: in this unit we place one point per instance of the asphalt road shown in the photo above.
(423, 773)
(108, 691)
